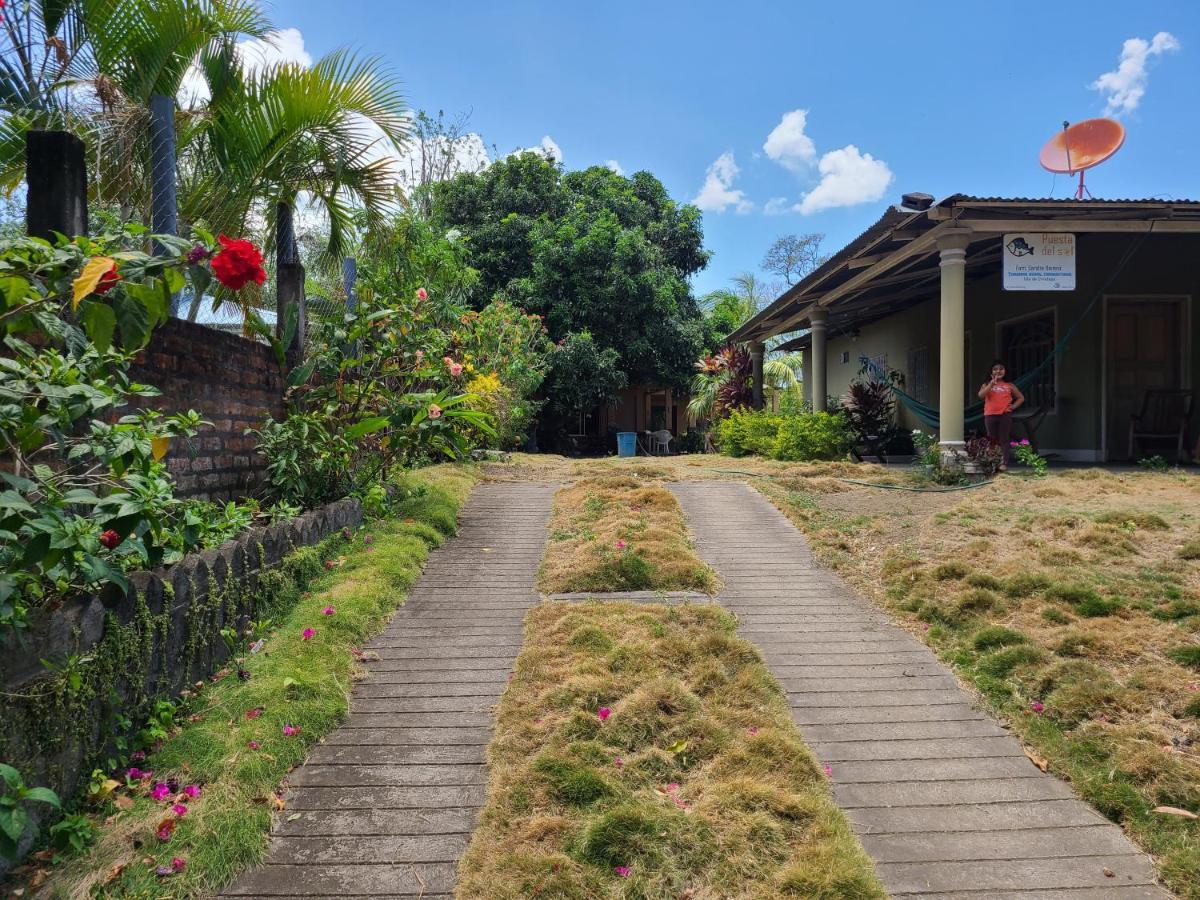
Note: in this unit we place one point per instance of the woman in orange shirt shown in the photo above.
(1000, 400)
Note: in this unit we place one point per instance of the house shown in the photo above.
(1093, 298)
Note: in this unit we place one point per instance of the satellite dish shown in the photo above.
(1080, 146)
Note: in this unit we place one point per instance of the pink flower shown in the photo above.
(672, 787)
(160, 791)
(134, 774)
(254, 745)
(329, 611)
(307, 634)
(827, 770)
(1037, 706)
(620, 545)
(291, 730)
(1193, 687)
(435, 411)
(178, 864)
(254, 713)
(637, 509)
(164, 834)
(753, 731)
(368, 540)
(137, 756)
(179, 809)
(192, 790)
(623, 871)
(422, 294)
(603, 712)
(618, 762)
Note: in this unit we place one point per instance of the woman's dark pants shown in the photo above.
(998, 429)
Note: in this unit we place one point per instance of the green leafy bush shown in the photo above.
(86, 495)
(801, 437)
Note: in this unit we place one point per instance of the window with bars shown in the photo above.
(1025, 345)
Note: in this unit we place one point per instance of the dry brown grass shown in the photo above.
(697, 782)
(620, 533)
(1093, 569)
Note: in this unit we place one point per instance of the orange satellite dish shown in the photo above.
(1080, 146)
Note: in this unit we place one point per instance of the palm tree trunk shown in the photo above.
(163, 209)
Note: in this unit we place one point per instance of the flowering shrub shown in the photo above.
(85, 495)
(504, 354)
(926, 447)
(1027, 456)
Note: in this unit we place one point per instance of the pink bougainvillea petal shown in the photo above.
(603, 713)
(623, 871)
(307, 634)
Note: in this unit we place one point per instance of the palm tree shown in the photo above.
(131, 56)
(730, 307)
(286, 134)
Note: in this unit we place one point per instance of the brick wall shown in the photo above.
(232, 382)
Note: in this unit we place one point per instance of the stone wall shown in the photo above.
(149, 643)
(232, 382)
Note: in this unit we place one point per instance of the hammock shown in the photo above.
(973, 414)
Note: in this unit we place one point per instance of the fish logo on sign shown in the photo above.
(1019, 247)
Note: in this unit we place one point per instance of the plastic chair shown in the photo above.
(660, 441)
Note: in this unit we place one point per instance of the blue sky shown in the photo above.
(942, 97)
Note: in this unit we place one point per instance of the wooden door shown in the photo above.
(1144, 352)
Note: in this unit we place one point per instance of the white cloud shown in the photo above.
(1125, 85)
(788, 145)
(547, 147)
(777, 206)
(848, 176)
(279, 46)
(615, 166)
(718, 192)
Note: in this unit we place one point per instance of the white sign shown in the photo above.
(1039, 262)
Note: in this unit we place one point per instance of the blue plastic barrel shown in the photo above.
(626, 443)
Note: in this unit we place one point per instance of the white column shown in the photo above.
(951, 396)
(816, 321)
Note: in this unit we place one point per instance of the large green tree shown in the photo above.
(590, 251)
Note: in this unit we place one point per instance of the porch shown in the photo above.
(923, 294)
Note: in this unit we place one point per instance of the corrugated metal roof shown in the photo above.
(1069, 201)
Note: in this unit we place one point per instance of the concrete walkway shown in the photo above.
(388, 802)
(944, 800)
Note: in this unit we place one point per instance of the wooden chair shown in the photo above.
(1164, 417)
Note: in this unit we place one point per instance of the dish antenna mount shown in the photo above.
(1081, 146)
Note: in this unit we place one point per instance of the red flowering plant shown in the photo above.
(86, 495)
(384, 385)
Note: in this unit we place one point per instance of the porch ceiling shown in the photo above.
(894, 263)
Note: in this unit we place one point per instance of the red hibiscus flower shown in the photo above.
(237, 263)
(107, 281)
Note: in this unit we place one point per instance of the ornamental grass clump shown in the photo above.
(669, 790)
